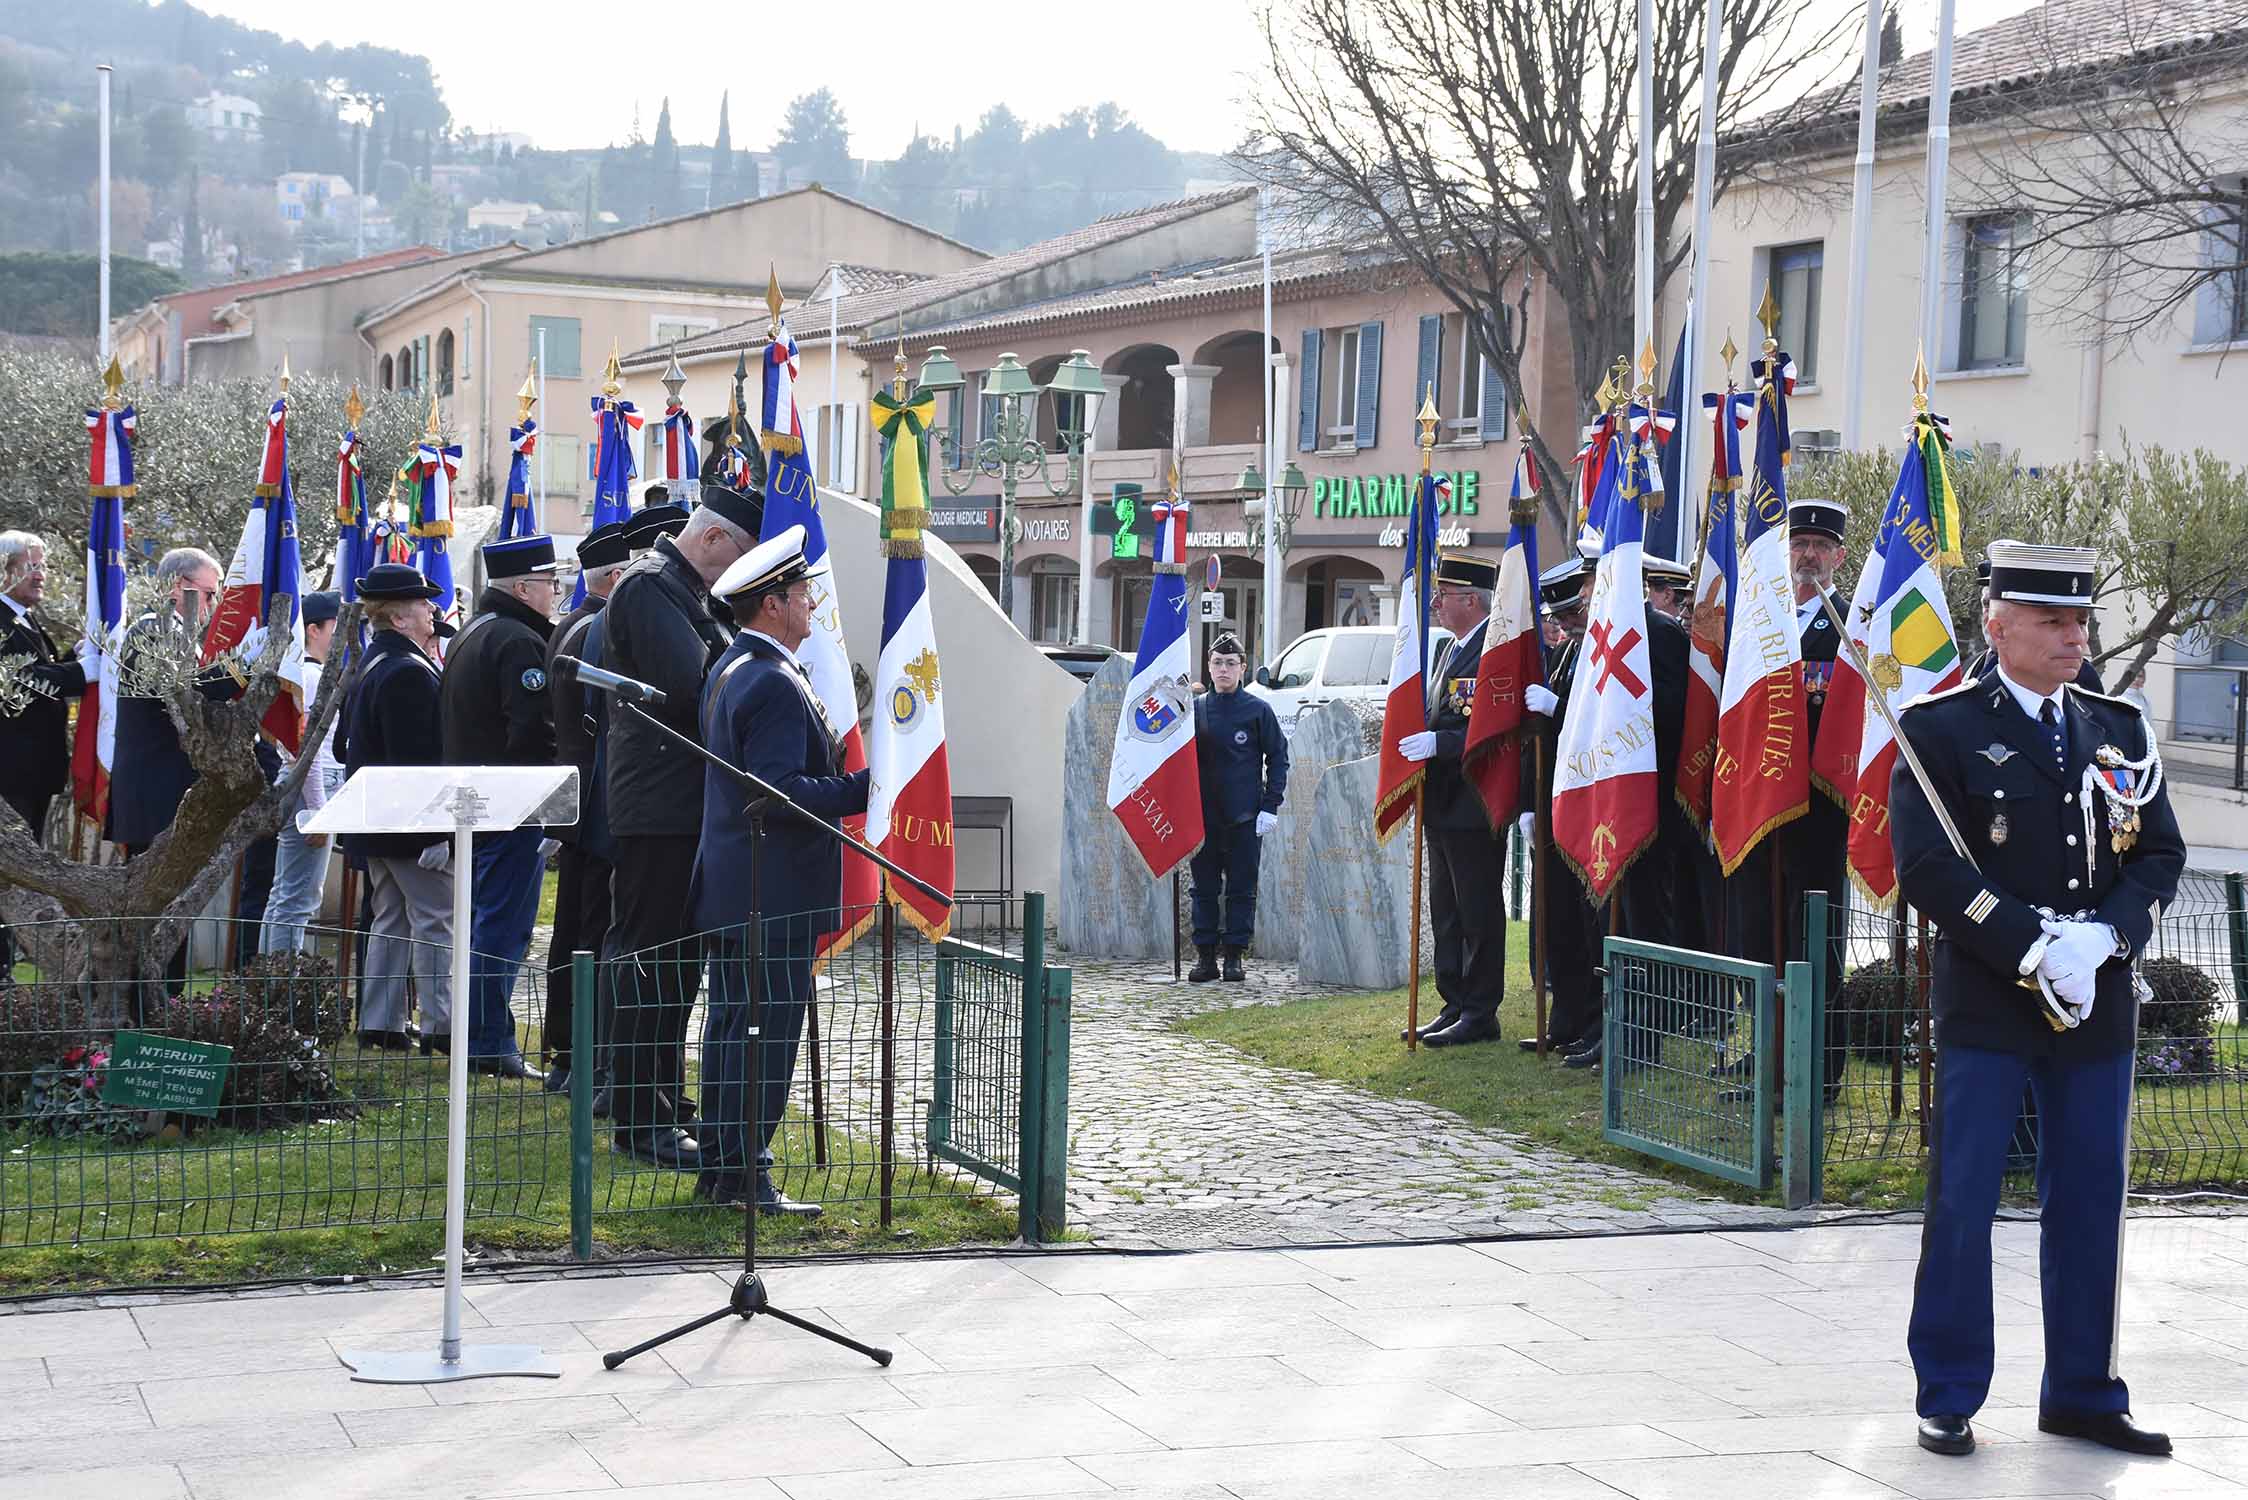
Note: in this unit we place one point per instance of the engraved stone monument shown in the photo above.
(1325, 737)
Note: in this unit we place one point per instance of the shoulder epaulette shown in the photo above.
(2083, 692)
(1922, 700)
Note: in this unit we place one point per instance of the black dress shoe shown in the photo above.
(413, 1033)
(724, 1190)
(2110, 1429)
(1448, 1016)
(1580, 1044)
(510, 1066)
(1947, 1434)
(436, 1046)
(1479, 1027)
(601, 1109)
(771, 1200)
(386, 1041)
(663, 1146)
(558, 1079)
(1588, 1058)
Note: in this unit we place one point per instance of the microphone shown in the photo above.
(629, 688)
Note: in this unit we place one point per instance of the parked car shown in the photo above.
(1080, 662)
(1343, 661)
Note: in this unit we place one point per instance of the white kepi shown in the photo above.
(462, 801)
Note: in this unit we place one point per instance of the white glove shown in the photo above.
(253, 643)
(436, 856)
(1540, 699)
(547, 848)
(1266, 822)
(89, 658)
(1418, 746)
(2073, 958)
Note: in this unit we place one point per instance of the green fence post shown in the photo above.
(1819, 913)
(1053, 1166)
(582, 1014)
(1031, 1113)
(1798, 1123)
(2236, 920)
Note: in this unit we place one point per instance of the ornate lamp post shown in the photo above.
(1011, 453)
(1278, 517)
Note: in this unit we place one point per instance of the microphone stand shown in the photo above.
(748, 1297)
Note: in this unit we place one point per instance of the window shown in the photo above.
(1299, 663)
(562, 457)
(834, 445)
(1359, 659)
(959, 418)
(386, 375)
(1994, 292)
(2220, 313)
(445, 363)
(1053, 606)
(1342, 387)
(406, 373)
(1795, 272)
(665, 330)
(563, 361)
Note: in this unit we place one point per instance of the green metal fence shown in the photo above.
(313, 1127)
(1689, 1073)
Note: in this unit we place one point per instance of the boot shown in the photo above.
(1233, 971)
(1205, 964)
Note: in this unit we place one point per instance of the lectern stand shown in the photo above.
(461, 801)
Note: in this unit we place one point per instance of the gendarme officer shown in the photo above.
(2070, 846)
(1243, 758)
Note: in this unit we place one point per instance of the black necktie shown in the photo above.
(2050, 717)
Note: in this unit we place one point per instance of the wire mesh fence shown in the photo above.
(1686, 1078)
(326, 1108)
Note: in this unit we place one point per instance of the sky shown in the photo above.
(1182, 68)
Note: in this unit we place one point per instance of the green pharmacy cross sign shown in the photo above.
(162, 1073)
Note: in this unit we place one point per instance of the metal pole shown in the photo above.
(359, 206)
(889, 1048)
(1413, 935)
(1270, 643)
(1693, 502)
(101, 86)
(456, 1096)
(1085, 539)
(582, 1017)
(1861, 235)
(540, 512)
(1643, 288)
(834, 290)
(1939, 170)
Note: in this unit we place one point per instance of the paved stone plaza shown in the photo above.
(1759, 1365)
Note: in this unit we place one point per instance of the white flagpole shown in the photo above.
(539, 516)
(1861, 233)
(101, 83)
(1272, 581)
(1643, 298)
(834, 291)
(1939, 169)
(1690, 498)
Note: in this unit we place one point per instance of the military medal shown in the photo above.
(1998, 829)
(2116, 780)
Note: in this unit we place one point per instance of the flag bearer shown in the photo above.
(1243, 758)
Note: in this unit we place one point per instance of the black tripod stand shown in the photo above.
(749, 1298)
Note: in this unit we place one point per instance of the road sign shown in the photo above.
(1213, 607)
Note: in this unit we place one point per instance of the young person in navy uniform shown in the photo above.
(497, 712)
(759, 712)
(2057, 794)
(1466, 869)
(1243, 758)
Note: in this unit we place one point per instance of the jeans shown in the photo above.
(300, 874)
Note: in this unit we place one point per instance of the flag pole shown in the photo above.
(1861, 234)
(1413, 933)
(1705, 175)
(1939, 171)
(1643, 290)
(1423, 527)
(101, 79)
(1540, 835)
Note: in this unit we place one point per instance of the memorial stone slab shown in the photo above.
(1110, 907)
(1325, 737)
(1358, 892)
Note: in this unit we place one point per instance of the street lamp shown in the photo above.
(1279, 517)
(1012, 453)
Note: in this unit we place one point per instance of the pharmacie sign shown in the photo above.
(1350, 497)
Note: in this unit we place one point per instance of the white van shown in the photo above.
(1343, 661)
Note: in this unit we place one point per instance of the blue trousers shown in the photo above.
(2083, 1110)
(504, 906)
(1225, 874)
(732, 1136)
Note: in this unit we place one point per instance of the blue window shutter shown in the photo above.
(1369, 383)
(1432, 354)
(1307, 405)
(1493, 414)
(2212, 304)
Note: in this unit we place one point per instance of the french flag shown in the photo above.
(1604, 775)
(1405, 711)
(268, 565)
(1715, 571)
(93, 749)
(909, 797)
(522, 441)
(1154, 784)
(680, 461)
(1512, 658)
(1762, 779)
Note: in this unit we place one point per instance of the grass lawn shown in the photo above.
(176, 1212)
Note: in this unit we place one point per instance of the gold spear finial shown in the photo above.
(1768, 313)
(1426, 416)
(284, 370)
(1729, 353)
(113, 385)
(1647, 368)
(898, 381)
(1174, 484)
(434, 431)
(1919, 378)
(773, 298)
(354, 409)
(1604, 396)
(527, 397)
(612, 378)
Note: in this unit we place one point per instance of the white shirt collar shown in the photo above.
(1808, 608)
(786, 654)
(21, 610)
(2031, 703)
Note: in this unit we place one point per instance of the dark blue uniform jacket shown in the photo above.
(1242, 754)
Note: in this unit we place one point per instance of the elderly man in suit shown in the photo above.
(34, 741)
(759, 712)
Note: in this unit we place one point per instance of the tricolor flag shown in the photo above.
(515, 517)
(1405, 711)
(791, 500)
(611, 467)
(354, 544)
(1902, 627)
(266, 567)
(93, 749)
(1513, 658)
(909, 794)
(436, 466)
(1716, 571)
(1592, 459)
(1763, 775)
(1154, 786)
(1604, 791)
(680, 461)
